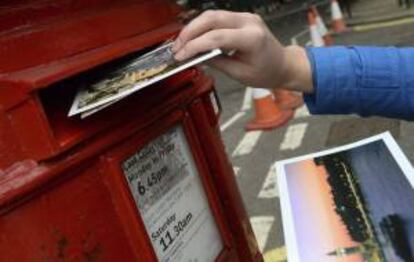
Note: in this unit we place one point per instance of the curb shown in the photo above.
(398, 22)
(304, 7)
(379, 19)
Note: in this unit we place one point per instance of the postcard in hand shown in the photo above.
(131, 77)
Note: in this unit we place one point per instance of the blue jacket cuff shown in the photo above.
(363, 80)
(334, 72)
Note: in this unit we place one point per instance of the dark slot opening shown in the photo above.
(58, 98)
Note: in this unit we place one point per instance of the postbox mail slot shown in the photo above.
(70, 131)
(67, 131)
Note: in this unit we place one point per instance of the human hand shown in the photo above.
(259, 59)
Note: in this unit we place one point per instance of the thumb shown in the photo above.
(231, 67)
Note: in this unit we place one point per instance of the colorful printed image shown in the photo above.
(130, 77)
(352, 205)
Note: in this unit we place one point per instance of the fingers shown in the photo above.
(207, 21)
(226, 39)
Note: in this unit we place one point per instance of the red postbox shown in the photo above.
(144, 180)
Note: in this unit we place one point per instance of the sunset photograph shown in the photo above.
(351, 205)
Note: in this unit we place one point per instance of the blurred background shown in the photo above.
(368, 22)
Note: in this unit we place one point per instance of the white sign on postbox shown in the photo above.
(168, 192)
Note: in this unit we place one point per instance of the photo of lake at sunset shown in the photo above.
(353, 204)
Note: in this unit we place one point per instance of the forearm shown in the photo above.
(365, 81)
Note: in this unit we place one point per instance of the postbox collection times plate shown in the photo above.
(170, 197)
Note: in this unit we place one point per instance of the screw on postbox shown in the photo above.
(146, 179)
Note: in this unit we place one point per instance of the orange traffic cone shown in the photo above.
(338, 23)
(269, 115)
(321, 27)
(288, 99)
(316, 37)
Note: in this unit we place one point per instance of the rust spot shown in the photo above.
(61, 245)
(93, 255)
(91, 252)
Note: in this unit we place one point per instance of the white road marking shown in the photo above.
(246, 106)
(294, 136)
(232, 120)
(247, 101)
(302, 112)
(270, 188)
(302, 33)
(261, 227)
(247, 143)
(295, 39)
(236, 170)
(361, 28)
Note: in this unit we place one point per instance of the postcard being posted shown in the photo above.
(131, 77)
(352, 203)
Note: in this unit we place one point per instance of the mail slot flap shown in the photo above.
(55, 35)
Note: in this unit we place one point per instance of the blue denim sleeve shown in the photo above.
(362, 80)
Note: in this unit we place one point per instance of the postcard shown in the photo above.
(129, 78)
(352, 203)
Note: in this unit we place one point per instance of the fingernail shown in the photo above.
(176, 46)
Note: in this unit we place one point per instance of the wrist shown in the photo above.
(297, 73)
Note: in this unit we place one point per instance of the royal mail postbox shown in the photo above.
(146, 179)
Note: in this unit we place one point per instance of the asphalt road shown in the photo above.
(252, 156)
